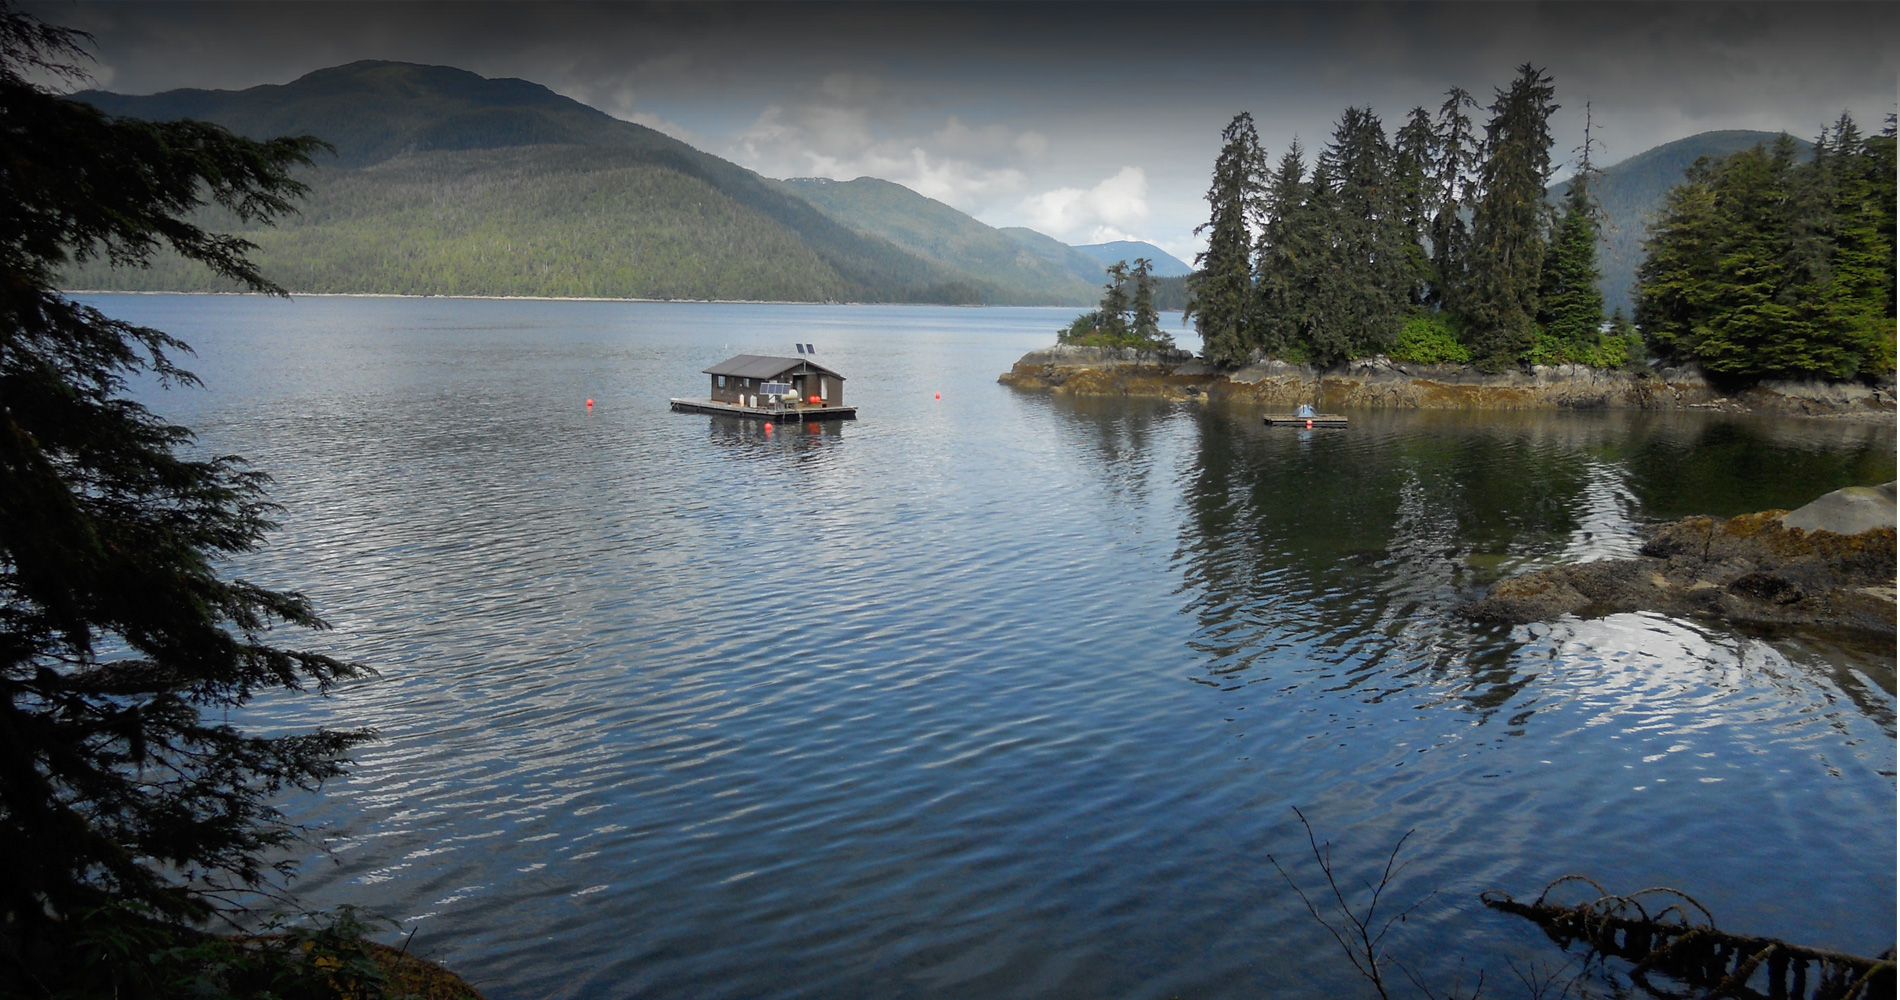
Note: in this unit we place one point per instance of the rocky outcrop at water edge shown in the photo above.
(1830, 563)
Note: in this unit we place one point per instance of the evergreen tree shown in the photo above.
(1220, 295)
(125, 795)
(1366, 276)
(1287, 257)
(1114, 308)
(1508, 223)
(1145, 322)
(1760, 265)
(1571, 304)
(1417, 147)
(1452, 179)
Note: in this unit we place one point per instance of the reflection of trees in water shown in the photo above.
(1337, 558)
(1340, 555)
(1121, 436)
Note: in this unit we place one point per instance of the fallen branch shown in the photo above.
(1673, 942)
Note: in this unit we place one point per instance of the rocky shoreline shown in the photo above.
(1830, 563)
(1380, 382)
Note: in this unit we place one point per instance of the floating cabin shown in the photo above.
(768, 388)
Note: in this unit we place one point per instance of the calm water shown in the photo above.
(998, 694)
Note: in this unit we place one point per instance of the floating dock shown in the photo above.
(1316, 420)
(787, 415)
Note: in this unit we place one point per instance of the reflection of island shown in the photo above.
(1380, 382)
(1342, 560)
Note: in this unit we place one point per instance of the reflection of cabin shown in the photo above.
(754, 385)
(738, 380)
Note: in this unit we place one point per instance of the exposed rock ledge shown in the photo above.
(1830, 563)
(1381, 382)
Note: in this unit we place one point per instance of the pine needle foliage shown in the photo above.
(1221, 295)
(121, 644)
(1760, 264)
(1507, 227)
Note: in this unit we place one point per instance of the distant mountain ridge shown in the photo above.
(941, 234)
(447, 182)
(1166, 265)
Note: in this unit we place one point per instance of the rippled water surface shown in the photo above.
(998, 694)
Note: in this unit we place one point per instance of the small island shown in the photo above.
(1437, 271)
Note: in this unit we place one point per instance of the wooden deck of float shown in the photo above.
(1316, 420)
(787, 415)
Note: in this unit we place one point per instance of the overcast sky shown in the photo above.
(1089, 122)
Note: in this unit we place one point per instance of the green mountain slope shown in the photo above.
(1065, 256)
(408, 137)
(939, 233)
(1631, 191)
(532, 220)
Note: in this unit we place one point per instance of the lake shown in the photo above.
(1000, 694)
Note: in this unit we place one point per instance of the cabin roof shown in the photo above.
(764, 367)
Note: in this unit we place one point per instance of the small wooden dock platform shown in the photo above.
(788, 415)
(1316, 420)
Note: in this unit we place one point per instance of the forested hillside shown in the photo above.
(531, 220)
(445, 182)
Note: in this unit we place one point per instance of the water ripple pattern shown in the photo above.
(995, 693)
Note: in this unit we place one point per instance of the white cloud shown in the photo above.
(1111, 210)
(850, 125)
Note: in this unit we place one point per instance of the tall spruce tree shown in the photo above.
(1367, 272)
(1114, 309)
(1416, 146)
(126, 796)
(1508, 224)
(1220, 293)
(1144, 321)
(1570, 303)
(1288, 255)
(1453, 179)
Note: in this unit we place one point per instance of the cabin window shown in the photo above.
(722, 381)
(824, 389)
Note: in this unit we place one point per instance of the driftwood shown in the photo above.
(1666, 931)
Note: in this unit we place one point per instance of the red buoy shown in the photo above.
(768, 427)
(590, 404)
(1309, 425)
(940, 395)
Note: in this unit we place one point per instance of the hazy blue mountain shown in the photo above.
(935, 231)
(1631, 191)
(585, 204)
(1166, 265)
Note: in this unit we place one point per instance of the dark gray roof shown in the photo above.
(762, 367)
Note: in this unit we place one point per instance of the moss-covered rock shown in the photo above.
(1754, 569)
